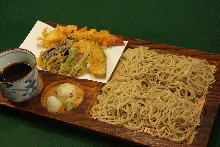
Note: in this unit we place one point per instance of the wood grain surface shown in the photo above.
(79, 117)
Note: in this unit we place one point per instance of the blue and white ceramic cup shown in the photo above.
(28, 86)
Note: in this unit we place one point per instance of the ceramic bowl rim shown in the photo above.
(32, 69)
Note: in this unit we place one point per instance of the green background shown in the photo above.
(185, 23)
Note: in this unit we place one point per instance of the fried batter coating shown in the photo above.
(103, 37)
(50, 39)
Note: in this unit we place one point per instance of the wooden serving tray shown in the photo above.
(80, 116)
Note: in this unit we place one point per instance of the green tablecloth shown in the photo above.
(185, 23)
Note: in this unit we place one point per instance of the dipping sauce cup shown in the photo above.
(19, 79)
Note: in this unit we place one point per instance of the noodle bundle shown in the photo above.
(159, 94)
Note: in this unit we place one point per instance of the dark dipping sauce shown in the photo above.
(15, 72)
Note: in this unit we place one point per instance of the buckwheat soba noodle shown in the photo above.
(159, 94)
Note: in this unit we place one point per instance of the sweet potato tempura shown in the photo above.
(103, 37)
